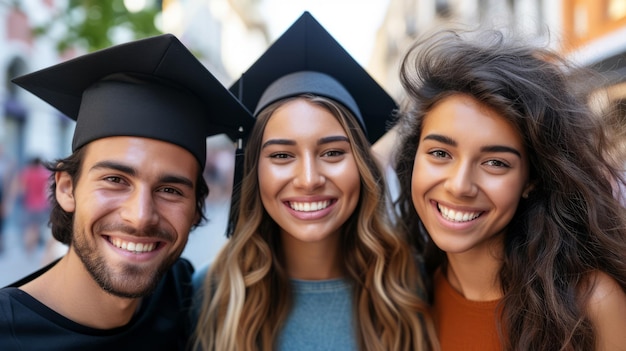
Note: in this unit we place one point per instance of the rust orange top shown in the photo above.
(463, 324)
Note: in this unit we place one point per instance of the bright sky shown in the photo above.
(353, 23)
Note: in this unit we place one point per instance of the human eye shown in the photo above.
(279, 155)
(112, 182)
(334, 153)
(497, 164)
(171, 190)
(113, 179)
(439, 153)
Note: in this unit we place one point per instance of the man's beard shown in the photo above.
(130, 281)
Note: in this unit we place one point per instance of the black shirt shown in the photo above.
(162, 322)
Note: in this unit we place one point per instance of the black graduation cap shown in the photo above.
(307, 59)
(154, 88)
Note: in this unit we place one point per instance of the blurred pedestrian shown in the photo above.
(219, 168)
(34, 180)
(6, 177)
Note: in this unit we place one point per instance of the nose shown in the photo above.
(309, 175)
(460, 181)
(139, 209)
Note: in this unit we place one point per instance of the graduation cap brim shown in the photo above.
(183, 102)
(307, 46)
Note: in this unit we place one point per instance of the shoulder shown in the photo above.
(22, 321)
(7, 297)
(175, 286)
(197, 281)
(181, 270)
(606, 292)
(606, 308)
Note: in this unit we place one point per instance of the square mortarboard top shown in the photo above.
(307, 59)
(153, 88)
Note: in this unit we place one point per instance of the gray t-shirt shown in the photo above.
(321, 318)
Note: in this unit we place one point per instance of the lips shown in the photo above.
(309, 206)
(133, 247)
(456, 215)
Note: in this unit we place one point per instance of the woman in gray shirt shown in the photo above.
(313, 262)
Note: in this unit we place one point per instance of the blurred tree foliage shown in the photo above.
(90, 23)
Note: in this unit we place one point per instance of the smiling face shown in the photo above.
(470, 171)
(134, 204)
(308, 178)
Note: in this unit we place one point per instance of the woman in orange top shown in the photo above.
(523, 237)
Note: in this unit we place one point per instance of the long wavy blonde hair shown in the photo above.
(249, 293)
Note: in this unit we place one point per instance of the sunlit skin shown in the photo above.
(308, 177)
(470, 172)
(134, 190)
(134, 205)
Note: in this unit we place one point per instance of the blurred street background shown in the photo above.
(228, 36)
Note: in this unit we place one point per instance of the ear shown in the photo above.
(65, 191)
(527, 189)
(196, 218)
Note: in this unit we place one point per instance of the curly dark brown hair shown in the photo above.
(572, 224)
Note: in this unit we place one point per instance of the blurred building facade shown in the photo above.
(597, 38)
(28, 127)
(222, 33)
(211, 29)
(590, 32)
(228, 35)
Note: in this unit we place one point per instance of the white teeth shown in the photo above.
(457, 216)
(131, 246)
(309, 206)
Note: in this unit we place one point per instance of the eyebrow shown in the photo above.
(166, 178)
(321, 141)
(278, 142)
(489, 148)
(332, 139)
(500, 148)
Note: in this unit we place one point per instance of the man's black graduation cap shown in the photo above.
(154, 88)
(307, 59)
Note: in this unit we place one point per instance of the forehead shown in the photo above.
(466, 116)
(142, 153)
(300, 117)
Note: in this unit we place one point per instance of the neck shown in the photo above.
(68, 289)
(475, 275)
(312, 260)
